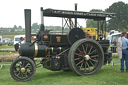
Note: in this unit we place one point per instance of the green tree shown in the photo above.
(20, 27)
(120, 22)
(35, 26)
(15, 27)
(91, 22)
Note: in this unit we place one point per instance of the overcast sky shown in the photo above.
(12, 11)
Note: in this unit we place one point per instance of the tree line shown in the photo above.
(34, 26)
(120, 22)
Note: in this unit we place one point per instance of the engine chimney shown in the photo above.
(42, 28)
(28, 25)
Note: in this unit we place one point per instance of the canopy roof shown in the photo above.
(76, 14)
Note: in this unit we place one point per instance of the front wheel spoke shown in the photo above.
(18, 73)
(77, 58)
(26, 74)
(29, 68)
(29, 73)
(79, 62)
(17, 66)
(22, 75)
(78, 54)
(23, 63)
(27, 65)
(15, 71)
(94, 60)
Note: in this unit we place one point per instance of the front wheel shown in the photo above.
(86, 57)
(22, 69)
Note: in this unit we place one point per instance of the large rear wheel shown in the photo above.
(86, 57)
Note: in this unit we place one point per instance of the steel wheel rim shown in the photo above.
(17, 69)
(90, 64)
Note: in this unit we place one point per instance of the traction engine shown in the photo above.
(72, 51)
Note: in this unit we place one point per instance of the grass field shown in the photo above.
(6, 47)
(108, 75)
(11, 34)
(7, 53)
(8, 36)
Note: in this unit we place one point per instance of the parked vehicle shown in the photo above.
(17, 38)
(7, 41)
(114, 37)
(0, 40)
(111, 33)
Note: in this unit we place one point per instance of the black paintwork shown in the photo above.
(55, 58)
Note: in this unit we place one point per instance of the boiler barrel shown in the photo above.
(37, 50)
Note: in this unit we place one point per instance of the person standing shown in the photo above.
(123, 50)
(21, 41)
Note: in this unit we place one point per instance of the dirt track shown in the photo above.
(7, 50)
(10, 57)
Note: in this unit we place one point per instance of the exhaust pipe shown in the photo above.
(42, 28)
(28, 25)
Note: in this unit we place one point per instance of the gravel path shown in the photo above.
(7, 50)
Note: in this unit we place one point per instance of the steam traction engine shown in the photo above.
(72, 51)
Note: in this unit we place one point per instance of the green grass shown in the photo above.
(6, 47)
(108, 75)
(7, 53)
(12, 33)
(8, 36)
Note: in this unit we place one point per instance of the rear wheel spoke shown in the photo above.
(77, 59)
(92, 52)
(93, 60)
(83, 48)
(94, 56)
(81, 65)
(91, 63)
(78, 54)
(79, 62)
(85, 66)
(90, 49)
(87, 48)
(88, 66)
(79, 50)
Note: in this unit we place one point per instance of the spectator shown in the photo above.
(123, 50)
(21, 41)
